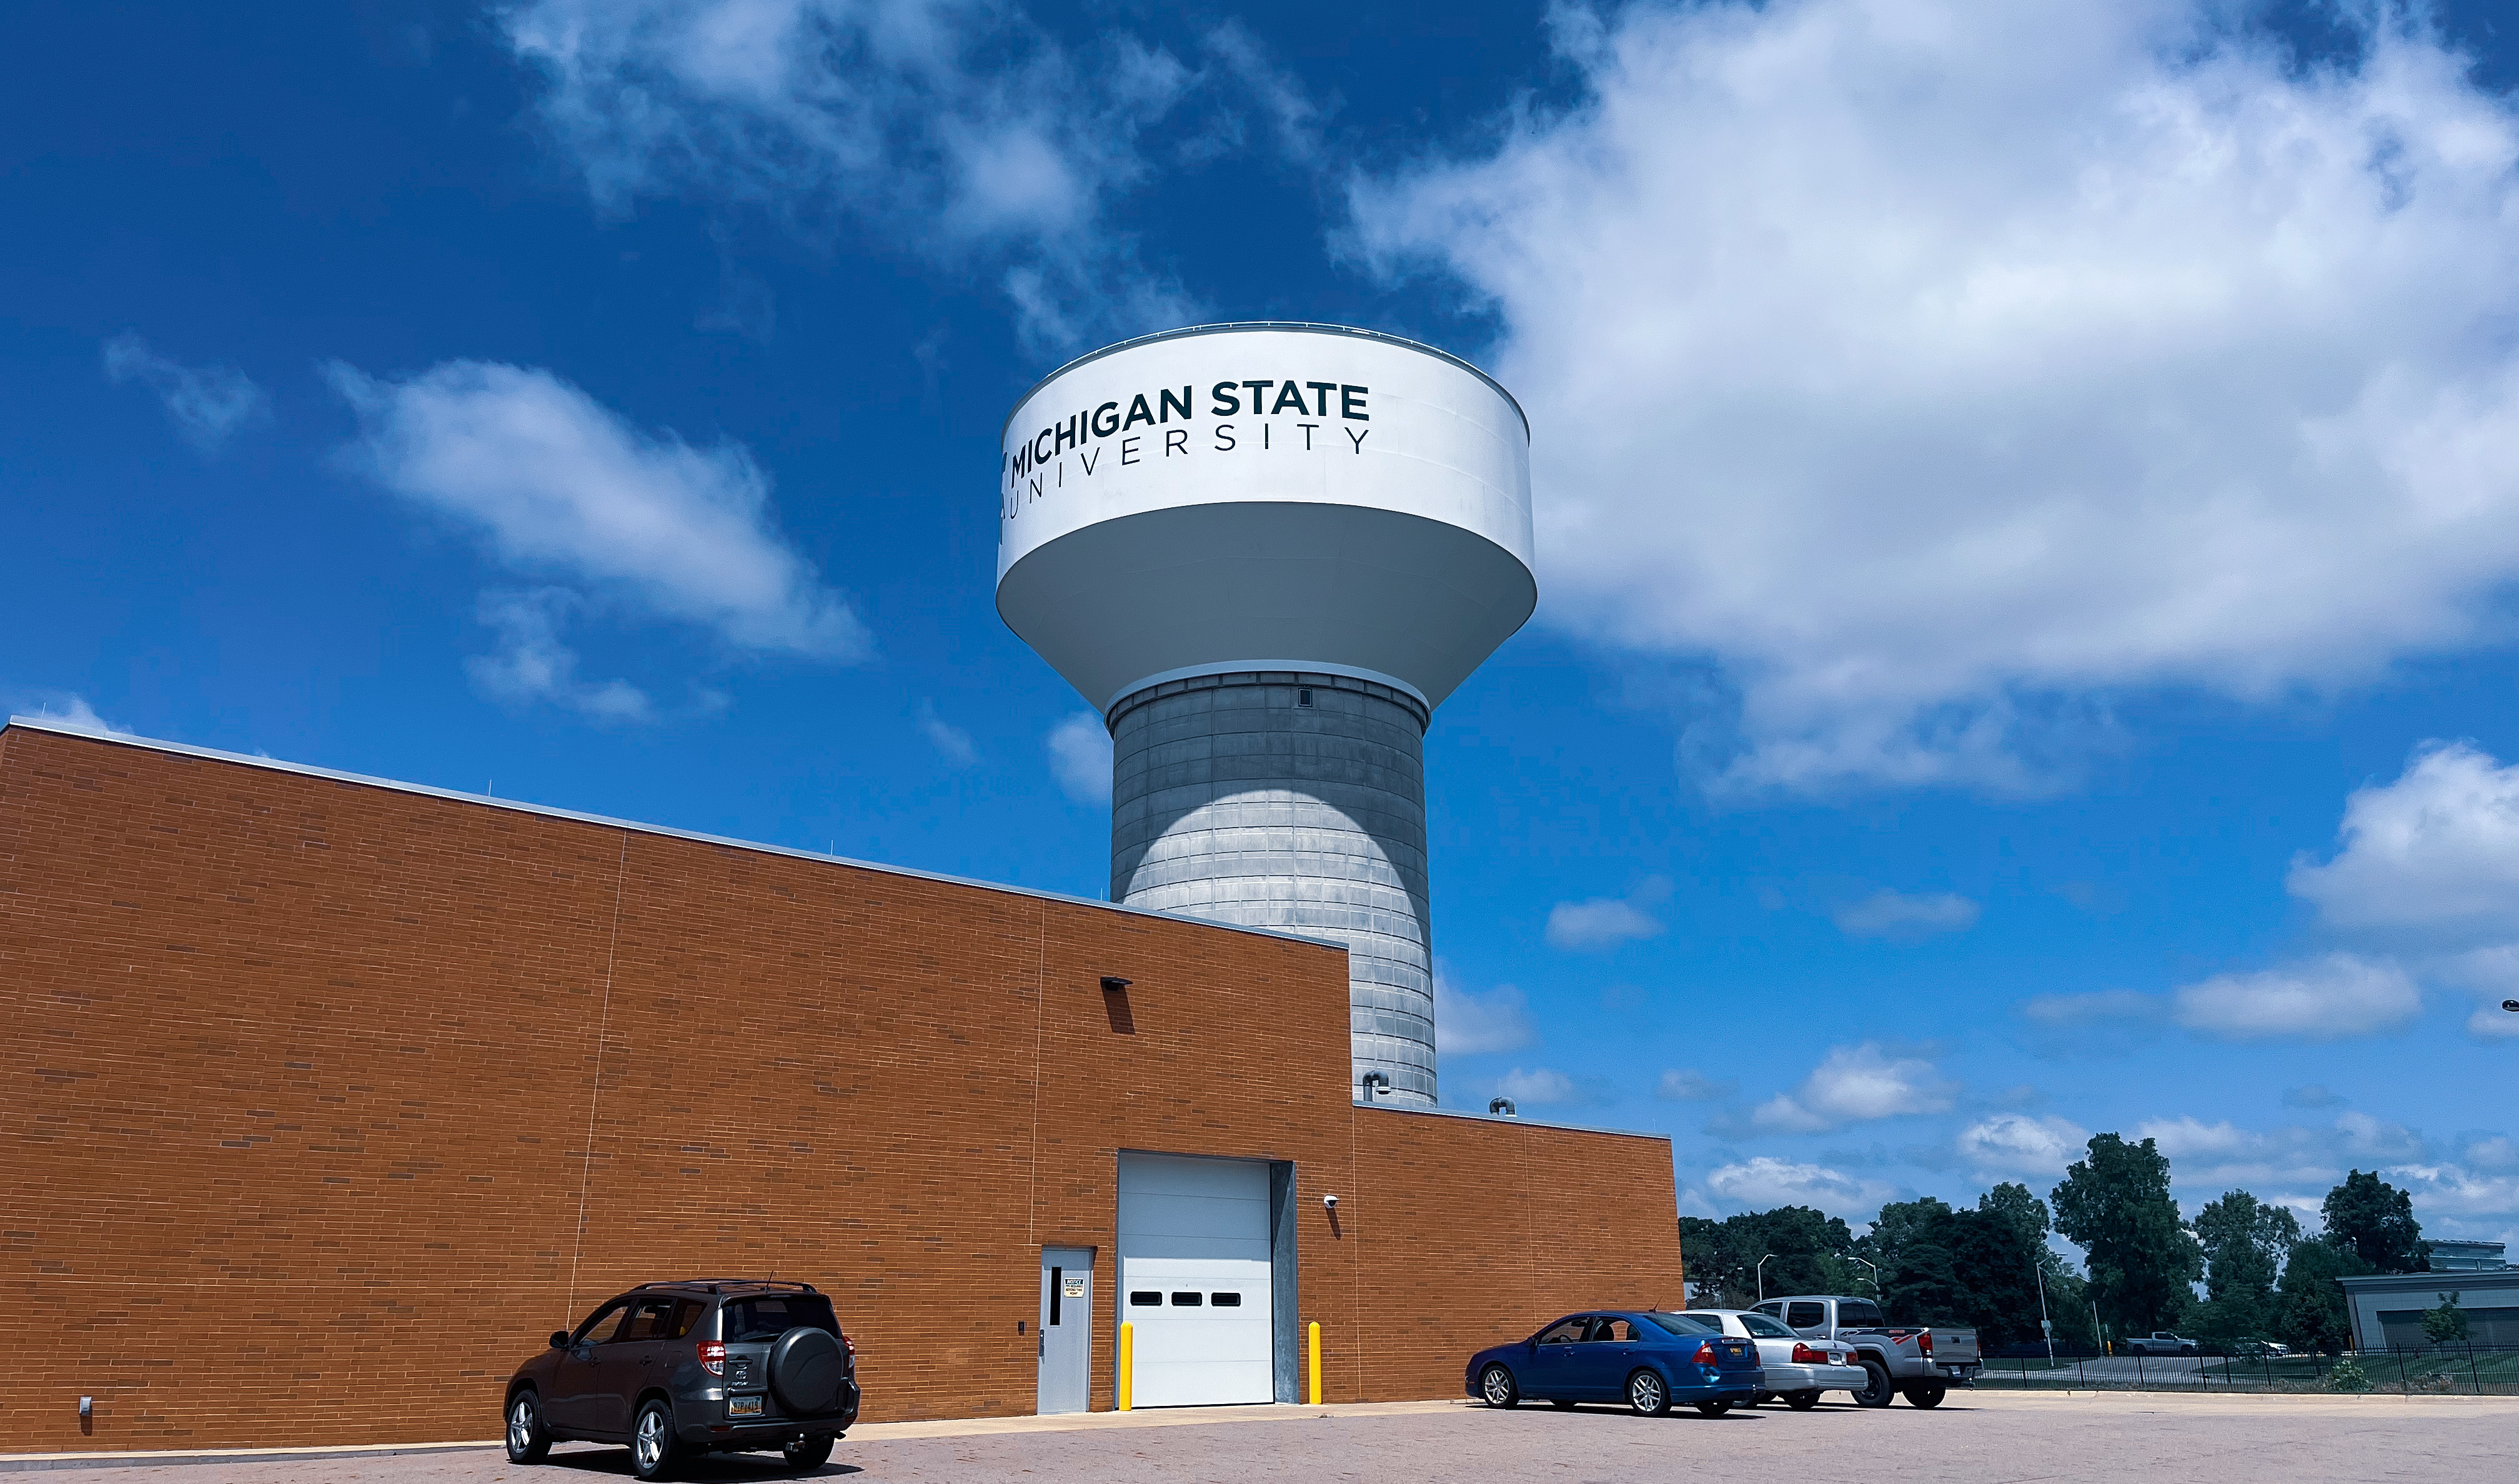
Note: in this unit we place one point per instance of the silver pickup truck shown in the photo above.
(1920, 1365)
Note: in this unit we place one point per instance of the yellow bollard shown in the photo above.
(1316, 1362)
(1128, 1360)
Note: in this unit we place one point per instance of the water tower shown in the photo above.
(1266, 553)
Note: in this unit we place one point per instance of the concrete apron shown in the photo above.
(867, 1432)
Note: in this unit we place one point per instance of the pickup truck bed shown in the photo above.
(1918, 1362)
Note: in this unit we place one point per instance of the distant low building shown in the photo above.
(2467, 1256)
(2388, 1309)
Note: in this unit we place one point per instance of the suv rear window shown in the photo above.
(769, 1315)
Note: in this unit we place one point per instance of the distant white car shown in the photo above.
(1797, 1370)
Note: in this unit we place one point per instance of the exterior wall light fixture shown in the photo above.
(1375, 1083)
(1112, 983)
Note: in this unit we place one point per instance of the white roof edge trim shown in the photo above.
(58, 727)
(1479, 1117)
(1228, 326)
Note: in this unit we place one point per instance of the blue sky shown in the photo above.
(2028, 502)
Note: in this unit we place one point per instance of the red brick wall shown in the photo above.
(331, 1100)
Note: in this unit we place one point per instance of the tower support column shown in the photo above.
(1296, 801)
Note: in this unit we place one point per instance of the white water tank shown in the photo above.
(1265, 553)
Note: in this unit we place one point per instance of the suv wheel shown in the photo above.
(651, 1441)
(528, 1440)
(805, 1454)
(1877, 1390)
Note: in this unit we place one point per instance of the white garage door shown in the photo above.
(1194, 1278)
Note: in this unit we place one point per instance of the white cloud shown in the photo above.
(560, 484)
(208, 402)
(2008, 1145)
(1764, 1182)
(2496, 1153)
(1689, 1085)
(2104, 1007)
(2293, 1162)
(1938, 371)
(1856, 1084)
(1468, 1023)
(1894, 914)
(531, 664)
(949, 739)
(1544, 1085)
(1603, 923)
(2475, 1194)
(74, 711)
(2447, 1190)
(2491, 975)
(960, 128)
(2324, 999)
(1079, 757)
(2435, 852)
(2430, 864)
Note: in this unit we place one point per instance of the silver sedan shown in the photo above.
(1797, 1370)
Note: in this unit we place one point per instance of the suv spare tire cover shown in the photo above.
(805, 1367)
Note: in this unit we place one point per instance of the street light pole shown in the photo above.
(2044, 1325)
(1875, 1274)
(1763, 1276)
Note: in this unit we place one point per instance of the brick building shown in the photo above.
(331, 1097)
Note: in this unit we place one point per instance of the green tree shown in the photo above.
(1804, 1248)
(2377, 1221)
(2245, 1246)
(2015, 1203)
(2446, 1324)
(2116, 1203)
(1702, 1258)
(1963, 1267)
(2310, 1310)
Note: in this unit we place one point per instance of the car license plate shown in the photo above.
(744, 1406)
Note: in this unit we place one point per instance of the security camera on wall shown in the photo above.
(1330, 1201)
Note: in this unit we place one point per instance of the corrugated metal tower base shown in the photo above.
(1232, 799)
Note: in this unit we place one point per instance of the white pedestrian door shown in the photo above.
(1194, 1278)
(1066, 1345)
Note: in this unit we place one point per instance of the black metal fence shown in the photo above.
(2454, 1370)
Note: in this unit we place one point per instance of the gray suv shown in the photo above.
(725, 1365)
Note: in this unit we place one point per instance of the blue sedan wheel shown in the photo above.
(1647, 1394)
(1496, 1387)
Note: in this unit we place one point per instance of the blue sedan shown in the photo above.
(1647, 1360)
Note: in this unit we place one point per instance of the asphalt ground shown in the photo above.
(2109, 1437)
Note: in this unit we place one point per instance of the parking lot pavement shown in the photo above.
(1972, 1436)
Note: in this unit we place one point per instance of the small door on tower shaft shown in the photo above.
(1066, 1330)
